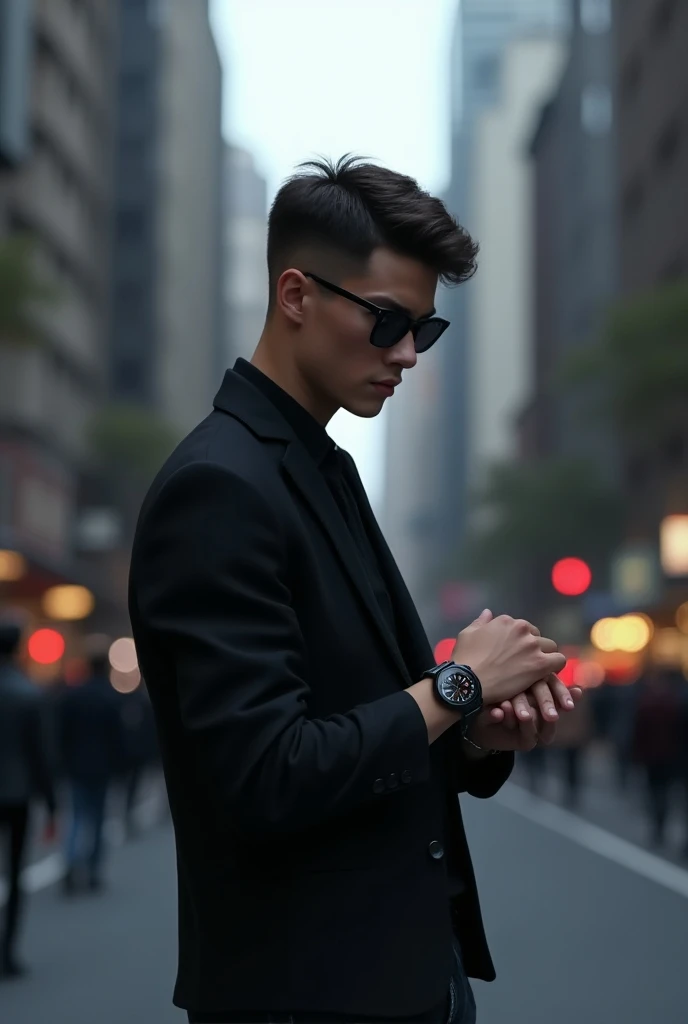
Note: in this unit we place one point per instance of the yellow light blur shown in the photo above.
(630, 633)
(602, 635)
(125, 682)
(12, 566)
(68, 603)
(668, 646)
(122, 655)
(682, 617)
(673, 544)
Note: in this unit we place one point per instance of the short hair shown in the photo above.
(335, 214)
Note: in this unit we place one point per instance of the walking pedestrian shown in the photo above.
(26, 771)
(91, 741)
(313, 752)
(656, 745)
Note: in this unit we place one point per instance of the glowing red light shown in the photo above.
(46, 646)
(444, 650)
(568, 673)
(571, 577)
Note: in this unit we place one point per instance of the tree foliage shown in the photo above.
(641, 363)
(131, 440)
(21, 290)
(540, 512)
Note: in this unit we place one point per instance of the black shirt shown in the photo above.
(332, 464)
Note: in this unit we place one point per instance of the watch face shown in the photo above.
(457, 688)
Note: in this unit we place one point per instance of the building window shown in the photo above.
(633, 198)
(668, 144)
(596, 16)
(596, 109)
(663, 16)
(631, 77)
(486, 72)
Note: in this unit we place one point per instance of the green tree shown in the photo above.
(532, 514)
(640, 366)
(21, 291)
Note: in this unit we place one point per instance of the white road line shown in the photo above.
(593, 838)
(51, 869)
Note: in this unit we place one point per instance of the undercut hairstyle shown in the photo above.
(329, 217)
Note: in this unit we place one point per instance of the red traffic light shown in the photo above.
(46, 646)
(571, 577)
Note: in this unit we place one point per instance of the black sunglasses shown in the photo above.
(391, 325)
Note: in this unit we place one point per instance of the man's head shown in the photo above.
(378, 236)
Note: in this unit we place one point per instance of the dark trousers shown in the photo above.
(659, 779)
(14, 819)
(85, 835)
(458, 1008)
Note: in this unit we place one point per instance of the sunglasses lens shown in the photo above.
(390, 329)
(427, 334)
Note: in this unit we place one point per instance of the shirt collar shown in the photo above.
(309, 432)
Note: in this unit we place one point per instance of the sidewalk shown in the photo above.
(604, 805)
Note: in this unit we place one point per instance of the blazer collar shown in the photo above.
(240, 399)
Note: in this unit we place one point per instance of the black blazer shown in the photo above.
(309, 810)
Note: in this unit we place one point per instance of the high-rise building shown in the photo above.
(499, 320)
(246, 276)
(652, 40)
(574, 154)
(483, 28)
(56, 117)
(168, 325)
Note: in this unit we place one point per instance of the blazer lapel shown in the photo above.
(314, 490)
(413, 638)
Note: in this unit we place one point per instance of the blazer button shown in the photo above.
(436, 850)
(406, 777)
(393, 781)
(379, 786)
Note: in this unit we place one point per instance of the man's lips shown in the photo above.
(386, 387)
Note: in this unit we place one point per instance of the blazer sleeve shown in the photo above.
(483, 778)
(209, 587)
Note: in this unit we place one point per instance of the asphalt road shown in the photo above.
(578, 937)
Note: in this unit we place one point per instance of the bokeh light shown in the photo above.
(12, 566)
(46, 646)
(68, 603)
(122, 655)
(571, 577)
(629, 633)
(682, 617)
(125, 682)
(444, 649)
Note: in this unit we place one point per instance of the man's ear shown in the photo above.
(291, 293)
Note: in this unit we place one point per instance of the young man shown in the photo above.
(312, 758)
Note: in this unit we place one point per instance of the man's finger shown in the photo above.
(548, 646)
(522, 708)
(561, 693)
(545, 701)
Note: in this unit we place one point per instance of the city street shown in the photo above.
(575, 935)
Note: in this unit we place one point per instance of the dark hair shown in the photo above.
(340, 212)
(10, 637)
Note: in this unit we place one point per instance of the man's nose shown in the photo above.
(404, 352)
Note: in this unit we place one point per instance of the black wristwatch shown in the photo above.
(457, 687)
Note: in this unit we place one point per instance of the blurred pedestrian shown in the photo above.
(313, 751)
(657, 744)
(91, 738)
(140, 750)
(623, 701)
(25, 771)
(571, 743)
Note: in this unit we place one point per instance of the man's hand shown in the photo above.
(508, 655)
(503, 729)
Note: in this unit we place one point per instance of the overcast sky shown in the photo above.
(305, 77)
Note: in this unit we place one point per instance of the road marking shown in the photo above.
(593, 838)
(51, 869)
